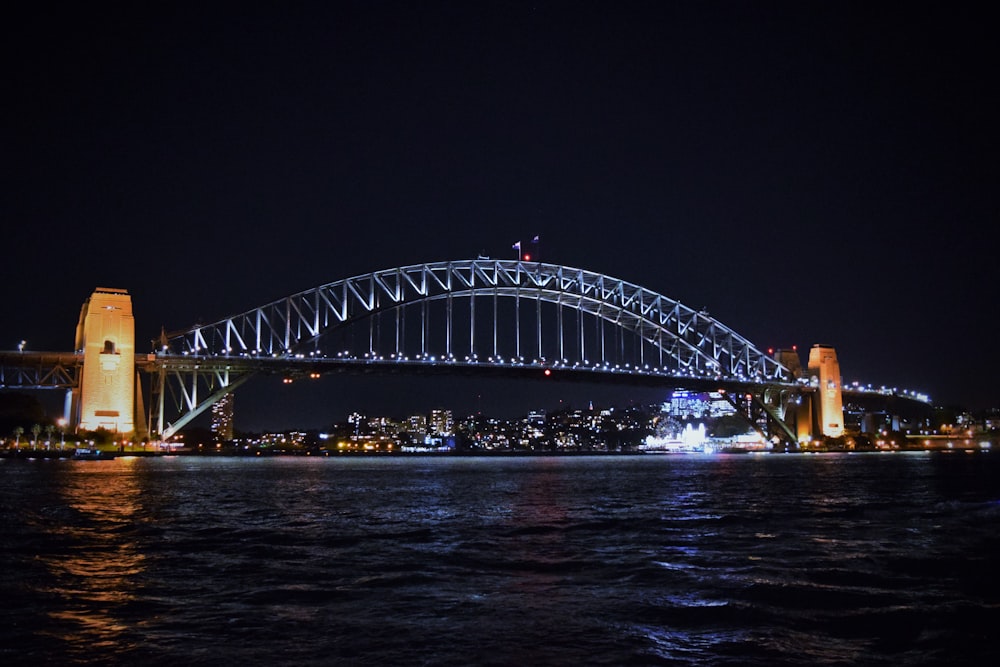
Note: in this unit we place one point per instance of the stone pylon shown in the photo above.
(106, 336)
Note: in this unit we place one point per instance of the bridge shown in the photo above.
(481, 317)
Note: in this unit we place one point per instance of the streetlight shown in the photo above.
(20, 346)
(62, 432)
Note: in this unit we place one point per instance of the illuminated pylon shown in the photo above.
(824, 371)
(106, 336)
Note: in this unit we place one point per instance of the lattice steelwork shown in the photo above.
(544, 321)
(40, 370)
(483, 313)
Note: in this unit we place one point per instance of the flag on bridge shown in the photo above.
(538, 248)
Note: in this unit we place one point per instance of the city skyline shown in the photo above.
(809, 174)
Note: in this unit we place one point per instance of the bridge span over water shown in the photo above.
(481, 316)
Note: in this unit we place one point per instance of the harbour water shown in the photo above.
(830, 559)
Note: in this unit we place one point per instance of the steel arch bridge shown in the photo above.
(470, 316)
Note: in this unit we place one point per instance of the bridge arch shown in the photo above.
(652, 333)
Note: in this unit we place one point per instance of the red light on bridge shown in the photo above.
(548, 372)
(527, 257)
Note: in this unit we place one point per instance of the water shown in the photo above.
(875, 559)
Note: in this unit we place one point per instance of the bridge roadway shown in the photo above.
(60, 370)
(295, 367)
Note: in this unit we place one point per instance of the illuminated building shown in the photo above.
(441, 423)
(222, 418)
(417, 424)
(355, 420)
(824, 371)
(105, 334)
(685, 404)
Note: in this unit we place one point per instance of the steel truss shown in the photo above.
(482, 313)
(40, 370)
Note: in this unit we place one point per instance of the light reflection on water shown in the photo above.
(541, 561)
(95, 575)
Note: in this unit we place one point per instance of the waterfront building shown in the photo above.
(685, 404)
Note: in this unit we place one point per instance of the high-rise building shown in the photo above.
(356, 421)
(441, 423)
(222, 418)
(417, 424)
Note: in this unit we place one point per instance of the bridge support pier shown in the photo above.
(105, 397)
(824, 372)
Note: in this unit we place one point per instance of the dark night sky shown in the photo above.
(811, 172)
